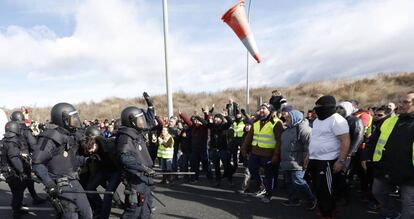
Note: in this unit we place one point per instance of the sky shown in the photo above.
(88, 50)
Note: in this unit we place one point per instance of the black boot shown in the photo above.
(38, 200)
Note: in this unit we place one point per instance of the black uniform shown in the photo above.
(18, 177)
(136, 160)
(29, 143)
(54, 162)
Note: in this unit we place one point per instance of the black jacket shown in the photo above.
(396, 165)
(30, 140)
(55, 155)
(108, 156)
(356, 133)
(185, 140)
(218, 134)
(12, 147)
(132, 150)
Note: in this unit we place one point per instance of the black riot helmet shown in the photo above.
(12, 127)
(17, 116)
(133, 117)
(117, 124)
(65, 115)
(92, 131)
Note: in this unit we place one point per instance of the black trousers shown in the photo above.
(30, 187)
(17, 188)
(234, 150)
(323, 181)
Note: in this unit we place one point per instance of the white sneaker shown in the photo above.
(260, 193)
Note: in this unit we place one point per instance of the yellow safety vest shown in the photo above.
(386, 129)
(165, 152)
(265, 137)
(238, 129)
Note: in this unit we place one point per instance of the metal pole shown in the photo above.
(247, 65)
(167, 73)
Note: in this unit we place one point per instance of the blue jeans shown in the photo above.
(381, 191)
(177, 154)
(270, 171)
(183, 162)
(296, 186)
(166, 164)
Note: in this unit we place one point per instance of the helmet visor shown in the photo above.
(74, 119)
(139, 121)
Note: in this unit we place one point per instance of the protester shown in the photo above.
(165, 153)
(184, 134)
(356, 134)
(199, 137)
(219, 151)
(328, 150)
(263, 142)
(293, 160)
(391, 106)
(393, 156)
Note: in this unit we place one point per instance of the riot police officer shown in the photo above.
(31, 141)
(54, 162)
(18, 172)
(28, 143)
(135, 160)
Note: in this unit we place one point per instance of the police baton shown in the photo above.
(158, 200)
(89, 192)
(175, 173)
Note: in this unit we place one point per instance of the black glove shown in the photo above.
(147, 99)
(94, 158)
(52, 190)
(149, 172)
(23, 177)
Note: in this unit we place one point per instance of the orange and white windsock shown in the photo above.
(236, 18)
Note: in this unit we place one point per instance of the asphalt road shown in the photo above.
(200, 200)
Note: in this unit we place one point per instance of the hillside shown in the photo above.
(370, 91)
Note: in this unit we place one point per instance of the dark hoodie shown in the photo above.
(218, 133)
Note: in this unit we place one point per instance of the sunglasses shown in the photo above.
(379, 115)
(406, 101)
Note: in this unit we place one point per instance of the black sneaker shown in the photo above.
(216, 184)
(38, 201)
(288, 203)
(311, 205)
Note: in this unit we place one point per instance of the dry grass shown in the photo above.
(371, 91)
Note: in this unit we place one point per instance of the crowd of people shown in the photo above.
(337, 146)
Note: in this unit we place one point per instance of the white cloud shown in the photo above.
(116, 48)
